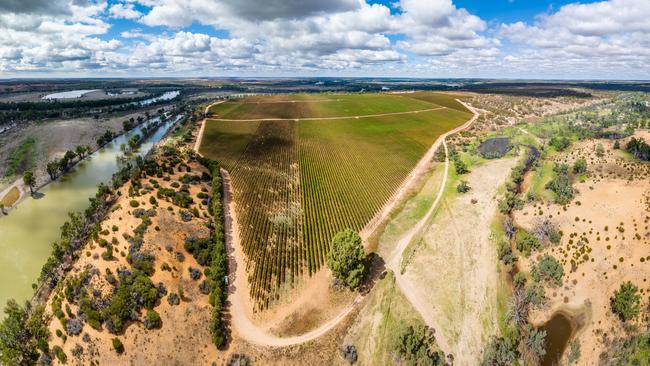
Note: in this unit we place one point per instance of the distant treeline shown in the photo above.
(30, 111)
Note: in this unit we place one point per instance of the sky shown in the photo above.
(518, 39)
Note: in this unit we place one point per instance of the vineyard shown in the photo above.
(296, 182)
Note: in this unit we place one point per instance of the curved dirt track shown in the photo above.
(240, 320)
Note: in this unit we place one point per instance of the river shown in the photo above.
(27, 233)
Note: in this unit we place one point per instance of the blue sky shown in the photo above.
(564, 39)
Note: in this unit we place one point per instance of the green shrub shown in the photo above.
(580, 166)
(526, 243)
(416, 346)
(549, 270)
(462, 187)
(118, 346)
(60, 355)
(152, 320)
(134, 203)
(626, 302)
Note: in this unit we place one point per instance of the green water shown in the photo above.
(27, 233)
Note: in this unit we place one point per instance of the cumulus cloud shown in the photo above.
(607, 38)
(414, 37)
(124, 11)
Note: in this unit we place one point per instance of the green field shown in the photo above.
(297, 183)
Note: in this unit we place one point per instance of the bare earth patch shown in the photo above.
(453, 273)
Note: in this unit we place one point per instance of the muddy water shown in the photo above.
(559, 330)
(27, 233)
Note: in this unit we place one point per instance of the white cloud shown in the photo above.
(433, 38)
(124, 11)
(602, 39)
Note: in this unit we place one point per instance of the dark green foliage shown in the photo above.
(626, 302)
(118, 346)
(460, 166)
(505, 254)
(463, 187)
(416, 346)
(561, 184)
(526, 243)
(510, 202)
(60, 355)
(534, 342)
(559, 143)
(639, 148)
(23, 332)
(218, 262)
(580, 166)
(500, 352)
(134, 292)
(134, 203)
(549, 270)
(347, 258)
(152, 320)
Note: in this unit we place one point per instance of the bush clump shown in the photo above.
(549, 270)
(626, 302)
(152, 320)
(118, 346)
(527, 243)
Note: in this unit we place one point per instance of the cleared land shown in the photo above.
(297, 183)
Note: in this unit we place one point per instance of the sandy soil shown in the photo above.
(185, 336)
(616, 194)
(458, 298)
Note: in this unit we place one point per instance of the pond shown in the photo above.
(69, 94)
(559, 330)
(27, 233)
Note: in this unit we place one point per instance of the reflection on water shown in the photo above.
(27, 233)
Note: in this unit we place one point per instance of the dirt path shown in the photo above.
(237, 294)
(199, 137)
(327, 118)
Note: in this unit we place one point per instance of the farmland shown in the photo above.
(305, 167)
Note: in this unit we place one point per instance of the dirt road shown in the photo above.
(199, 137)
(240, 320)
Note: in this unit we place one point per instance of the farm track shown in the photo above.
(199, 137)
(327, 118)
(241, 322)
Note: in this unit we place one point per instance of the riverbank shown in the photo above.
(54, 139)
(36, 222)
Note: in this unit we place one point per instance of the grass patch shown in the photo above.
(22, 158)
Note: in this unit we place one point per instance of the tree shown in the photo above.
(534, 343)
(600, 150)
(347, 258)
(52, 169)
(416, 346)
(22, 335)
(626, 302)
(580, 166)
(29, 180)
(500, 352)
